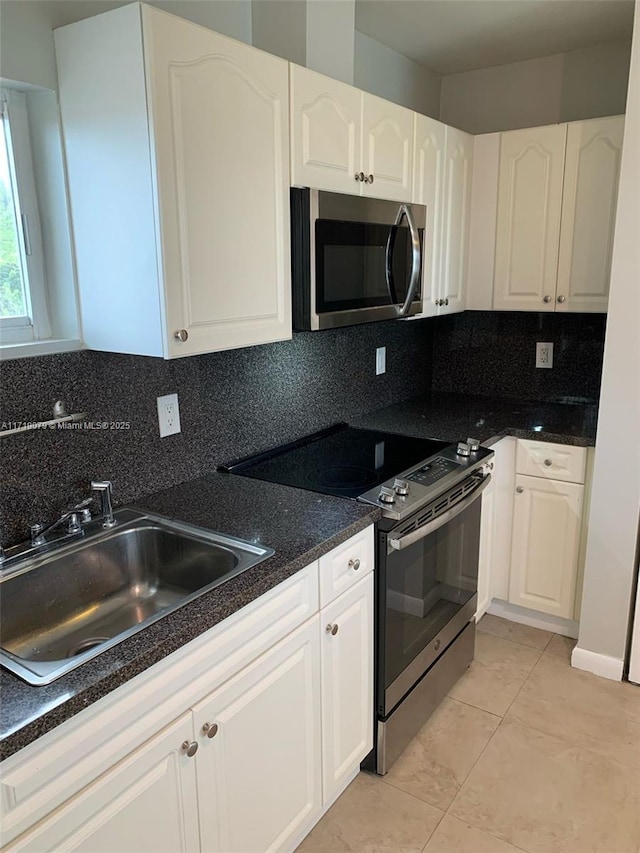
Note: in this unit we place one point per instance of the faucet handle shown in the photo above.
(35, 532)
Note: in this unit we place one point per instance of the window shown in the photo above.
(24, 314)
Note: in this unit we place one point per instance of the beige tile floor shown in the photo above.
(525, 754)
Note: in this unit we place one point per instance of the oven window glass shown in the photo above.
(351, 265)
(426, 586)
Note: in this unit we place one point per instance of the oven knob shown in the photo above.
(473, 443)
(463, 449)
(387, 496)
(401, 487)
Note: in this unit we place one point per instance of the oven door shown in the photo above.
(428, 593)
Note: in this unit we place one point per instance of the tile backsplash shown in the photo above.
(493, 353)
(231, 404)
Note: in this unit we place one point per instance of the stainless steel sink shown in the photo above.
(61, 608)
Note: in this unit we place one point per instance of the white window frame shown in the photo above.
(36, 325)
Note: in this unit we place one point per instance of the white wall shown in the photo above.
(567, 86)
(280, 27)
(26, 37)
(615, 502)
(387, 73)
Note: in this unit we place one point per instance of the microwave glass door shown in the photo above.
(351, 265)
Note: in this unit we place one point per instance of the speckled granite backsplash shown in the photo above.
(493, 353)
(231, 404)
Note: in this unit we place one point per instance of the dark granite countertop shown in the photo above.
(450, 417)
(299, 525)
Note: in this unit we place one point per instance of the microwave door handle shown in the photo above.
(436, 524)
(416, 252)
(388, 262)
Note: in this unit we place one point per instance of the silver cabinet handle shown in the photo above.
(332, 629)
(370, 179)
(361, 176)
(546, 299)
(357, 177)
(548, 463)
(561, 299)
(189, 748)
(210, 729)
(181, 335)
(519, 490)
(354, 564)
(446, 301)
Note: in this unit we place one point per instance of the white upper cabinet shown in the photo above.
(428, 189)
(455, 228)
(528, 218)
(387, 148)
(325, 132)
(345, 140)
(177, 143)
(591, 174)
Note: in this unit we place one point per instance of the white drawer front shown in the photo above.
(341, 568)
(554, 461)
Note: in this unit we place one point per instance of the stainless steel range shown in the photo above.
(428, 542)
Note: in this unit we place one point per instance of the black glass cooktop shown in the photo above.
(341, 461)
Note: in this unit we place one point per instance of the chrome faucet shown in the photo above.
(105, 490)
(39, 532)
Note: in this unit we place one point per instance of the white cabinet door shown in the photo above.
(387, 149)
(428, 189)
(457, 201)
(259, 778)
(147, 803)
(528, 220)
(487, 547)
(546, 539)
(346, 635)
(326, 136)
(220, 130)
(592, 168)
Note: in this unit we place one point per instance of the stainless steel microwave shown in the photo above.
(354, 259)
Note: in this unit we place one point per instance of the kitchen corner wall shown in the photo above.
(231, 404)
(493, 353)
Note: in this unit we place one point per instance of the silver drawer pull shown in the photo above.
(210, 729)
(548, 463)
(332, 629)
(519, 490)
(189, 748)
(181, 335)
(354, 564)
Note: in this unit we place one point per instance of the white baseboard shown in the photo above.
(598, 664)
(544, 621)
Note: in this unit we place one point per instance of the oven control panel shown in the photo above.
(433, 471)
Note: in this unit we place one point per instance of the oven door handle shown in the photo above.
(436, 524)
(416, 259)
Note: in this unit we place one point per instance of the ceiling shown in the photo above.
(449, 36)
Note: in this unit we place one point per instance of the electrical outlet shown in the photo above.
(168, 415)
(381, 360)
(544, 354)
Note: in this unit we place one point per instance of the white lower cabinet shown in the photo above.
(346, 635)
(216, 748)
(546, 539)
(147, 803)
(259, 760)
(487, 528)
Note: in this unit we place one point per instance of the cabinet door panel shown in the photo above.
(325, 132)
(592, 168)
(387, 148)
(546, 536)
(268, 719)
(220, 126)
(528, 222)
(457, 200)
(146, 803)
(428, 189)
(347, 684)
